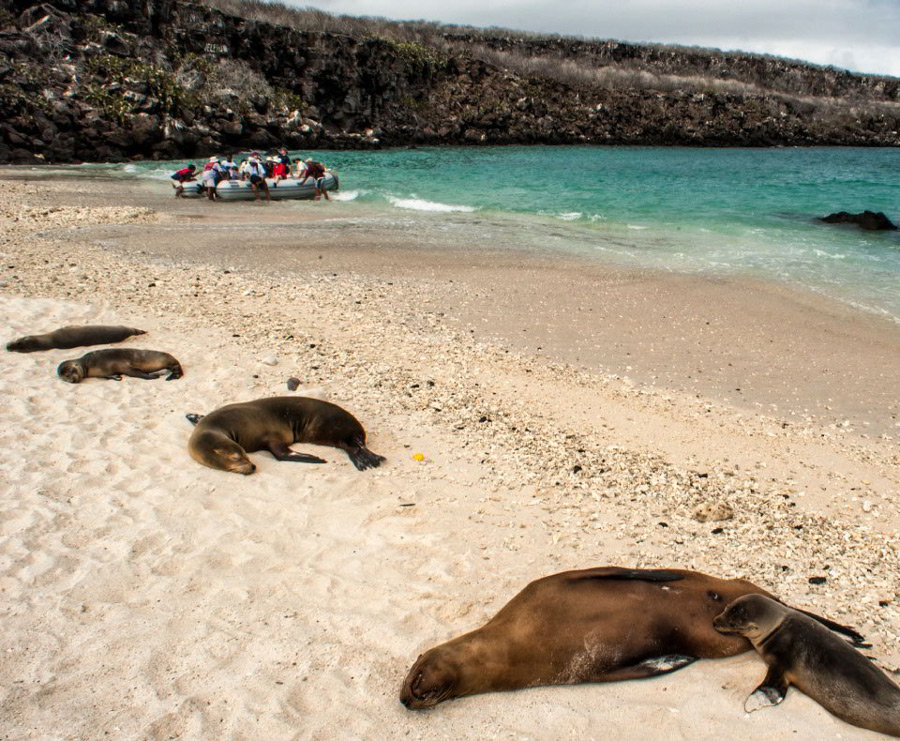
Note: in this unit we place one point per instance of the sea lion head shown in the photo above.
(751, 616)
(213, 449)
(23, 344)
(463, 666)
(71, 371)
(435, 677)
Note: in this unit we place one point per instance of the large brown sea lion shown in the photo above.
(800, 652)
(116, 362)
(66, 338)
(223, 438)
(596, 625)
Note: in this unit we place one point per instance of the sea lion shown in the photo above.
(117, 362)
(223, 438)
(595, 625)
(66, 338)
(800, 652)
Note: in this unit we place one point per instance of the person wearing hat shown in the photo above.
(282, 165)
(182, 176)
(257, 173)
(316, 171)
(212, 174)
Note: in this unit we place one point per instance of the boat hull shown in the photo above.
(240, 190)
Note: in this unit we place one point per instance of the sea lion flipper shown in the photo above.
(194, 418)
(652, 667)
(282, 452)
(770, 692)
(364, 458)
(138, 373)
(857, 639)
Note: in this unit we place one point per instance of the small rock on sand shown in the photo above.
(713, 512)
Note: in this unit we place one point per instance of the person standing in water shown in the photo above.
(316, 171)
(183, 176)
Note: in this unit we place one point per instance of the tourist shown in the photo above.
(211, 176)
(257, 173)
(230, 168)
(282, 165)
(316, 171)
(183, 176)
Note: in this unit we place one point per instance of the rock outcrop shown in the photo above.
(872, 221)
(106, 80)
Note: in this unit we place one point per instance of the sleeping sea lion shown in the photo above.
(117, 362)
(800, 652)
(66, 338)
(223, 438)
(596, 625)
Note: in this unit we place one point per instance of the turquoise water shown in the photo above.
(722, 211)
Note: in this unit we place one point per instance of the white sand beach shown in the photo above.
(145, 596)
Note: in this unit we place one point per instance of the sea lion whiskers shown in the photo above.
(117, 362)
(446, 672)
(736, 620)
(274, 424)
(65, 338)
(603, 624)
(71, 371)
(802, 652)
(216, 449)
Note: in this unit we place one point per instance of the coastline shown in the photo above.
(370, 330)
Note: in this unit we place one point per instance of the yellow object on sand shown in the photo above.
(418, 456)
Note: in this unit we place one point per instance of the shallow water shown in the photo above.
(715, 211)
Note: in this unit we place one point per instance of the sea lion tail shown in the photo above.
(617, 572)
(135, 331)
(856, 638)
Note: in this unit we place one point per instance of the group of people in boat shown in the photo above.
(276, 166)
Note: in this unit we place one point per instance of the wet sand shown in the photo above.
(570, 415)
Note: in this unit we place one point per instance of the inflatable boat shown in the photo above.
(240, 190)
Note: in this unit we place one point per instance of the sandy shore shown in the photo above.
(569, 415)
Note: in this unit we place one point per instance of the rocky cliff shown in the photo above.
(99, 80)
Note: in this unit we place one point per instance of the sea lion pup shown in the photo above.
(800, 652)
(595, 625)
(117, 362)
(223, 438)
(66, 338)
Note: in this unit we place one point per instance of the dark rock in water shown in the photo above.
(868, 220)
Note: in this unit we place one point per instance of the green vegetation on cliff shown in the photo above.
(113, 80)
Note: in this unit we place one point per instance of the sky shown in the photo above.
(860, 35)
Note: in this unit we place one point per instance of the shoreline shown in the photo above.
(390, 340)
(760, 346)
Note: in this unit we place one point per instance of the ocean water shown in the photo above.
(714, 211)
